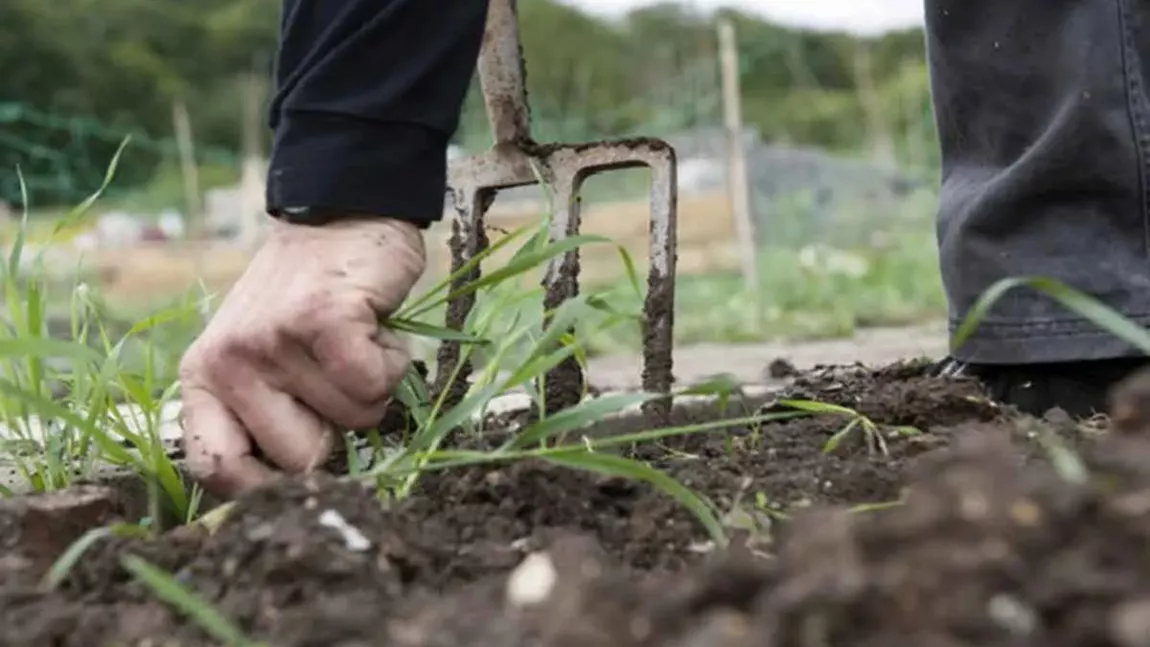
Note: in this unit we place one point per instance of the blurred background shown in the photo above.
(834, 130)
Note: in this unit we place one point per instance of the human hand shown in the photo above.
(296, 351)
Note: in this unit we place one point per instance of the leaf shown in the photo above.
(685, 430)
(46, 347)
(45, 408)
(68, 560)
(585, 413)
(811, 406)
(412, 393)
(433, 332)
(547, 352)
(213, 519)
(168, 590)
(629, 269)
(430, 436)
(158, 319)
(621, 467)
(76, 213)
(1084, 305)
(834, 441)
(421, 305)
(22, 231)
(518, 266)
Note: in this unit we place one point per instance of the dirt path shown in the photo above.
(747, 362)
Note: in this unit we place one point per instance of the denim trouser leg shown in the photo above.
(1044, 120)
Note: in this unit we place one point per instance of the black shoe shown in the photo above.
(1078, 388)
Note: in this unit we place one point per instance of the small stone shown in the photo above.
(1026, 513)
(352, 537)
(261, 532)
(1012, 614)
(532, 581)
(1130, 624)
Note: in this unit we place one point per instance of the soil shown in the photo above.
(979, 527)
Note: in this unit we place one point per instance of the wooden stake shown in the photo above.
(185, 144)
(738, 189)
(252, 214)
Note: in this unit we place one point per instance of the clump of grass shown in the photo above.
(70, 406)
(873, 434)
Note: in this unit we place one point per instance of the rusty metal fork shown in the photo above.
(512, 162)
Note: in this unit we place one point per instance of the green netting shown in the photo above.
(62, 158)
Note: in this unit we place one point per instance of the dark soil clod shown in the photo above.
(781, 368)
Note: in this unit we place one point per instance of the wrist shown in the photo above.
(319, 216)
(362, 224)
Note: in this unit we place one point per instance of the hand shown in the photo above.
(296, 351)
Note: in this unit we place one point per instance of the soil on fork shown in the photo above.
(981, 528)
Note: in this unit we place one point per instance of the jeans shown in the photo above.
(1042, 112)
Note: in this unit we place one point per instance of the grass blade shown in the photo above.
(68, 560)
(834, 441)
(619, 466)
(449, 459)
(418, 306)
(811, 406)
(46, 347)
(22, 231)
(581, 415)
(76, 213)
(520, 265)
(1083, 304)
(167, 589)
(421, 329)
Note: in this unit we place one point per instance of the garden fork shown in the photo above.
(513, 161)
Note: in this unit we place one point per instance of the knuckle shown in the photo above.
(395, 369)
(204, 364)
(316, 308)
(206, 467)
(193, 359)
(363, 417)
(414, 260)
(253, 343)
(214, 360)
(308, 458)
(378, 384)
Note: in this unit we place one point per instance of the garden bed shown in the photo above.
(963, 533)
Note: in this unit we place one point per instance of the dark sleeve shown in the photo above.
(368, 95)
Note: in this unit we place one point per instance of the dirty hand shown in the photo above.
(296, 351)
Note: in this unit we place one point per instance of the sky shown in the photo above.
(857, 16)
